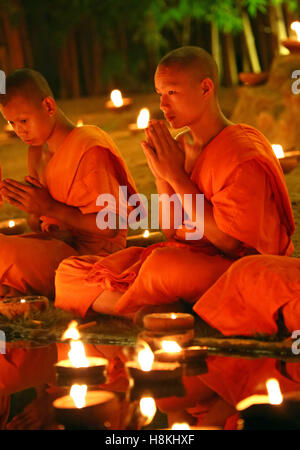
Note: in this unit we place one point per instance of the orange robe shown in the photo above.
(250, 203)
(247, 299)
(86, 165)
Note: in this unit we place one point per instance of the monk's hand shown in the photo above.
(30, 198)
(164, 155)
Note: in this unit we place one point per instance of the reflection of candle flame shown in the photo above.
(295, 26)
(148, 408)
(146, 233)
(78, 394)
(180, 426)
(145, 358)
(278, 150)
(275, 396)
(79, 123)
(143, 118)
(116, 98)
(11, 223)
(71, 332)
(77, 354)
(170, 346)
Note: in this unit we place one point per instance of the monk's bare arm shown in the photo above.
(183, 185)
(164, 188)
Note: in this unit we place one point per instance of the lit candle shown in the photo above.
(168, 321)
(293, 43)
(117, 102)
(79, 368)
(145, 239)
(13, 226)
(147, 409)
(79, 123)
(8, 128)
(278, 150)
(142, 121)
(22, 306)
(288, 160)
(87, 410)
(295, 26)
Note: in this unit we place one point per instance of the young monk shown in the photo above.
(258, 294)
(246, 205)
(68, 168)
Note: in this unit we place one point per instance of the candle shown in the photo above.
(86, 410)
(18, 306)
(13, 226)
(288, 160)
(293, 43)
(168, 321)
(117, 102)
(79, 123)
(8, 128)
(145, 239)
(79, 368)
(142, 121)
(192, 354)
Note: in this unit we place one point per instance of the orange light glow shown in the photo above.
(145, 358)
(171, 346)
(116, 98)
(143, 118)
(78, 394)
(278, 150)
(274, 392)
(295, 26)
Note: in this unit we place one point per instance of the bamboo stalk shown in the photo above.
(215, 47)
(250, 42)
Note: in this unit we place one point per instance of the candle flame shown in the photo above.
(148, 408)
(9, 127)
(145, 358)
(146, 233)
(11, 223)
(116, 98)
(143, 118)
(78, 394)
(173, 316)
(274, 392)
(278, 150)
(71, 332)
(22, 300)
(77, 354)
(180, 426)
(295, 26)
(171, 346)
(79, 123)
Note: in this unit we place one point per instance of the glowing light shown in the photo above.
(71, 332)
(180, 426)
(79, 123)
(274, 392)
(148, 408)
(171, 346)
(173, 316)
(22, 300)
(145, 358)
(116, 98)
(146, 233)
(278, 150)
(11, 223)
(295, 26)
(77, 355)
(78, 394)
(143, 118)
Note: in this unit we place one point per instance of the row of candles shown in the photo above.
(154, 373)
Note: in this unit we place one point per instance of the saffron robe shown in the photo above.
(247, 299)
(86, 165)
(250, 203)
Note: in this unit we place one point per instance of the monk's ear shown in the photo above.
(49, 105)
(207, 87)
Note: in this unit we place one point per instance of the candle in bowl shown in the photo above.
(13, 226)
(79, 368)
(293, 44)
(86, 410)
(288, 160)
(79, 123)
(168, 322)
(142, 121)
(146, 370)
(117, 102)
(266, 412)
(145, 239)
(22, 306)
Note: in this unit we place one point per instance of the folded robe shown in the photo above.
(250, 203)
(247, 298)
(86, 165)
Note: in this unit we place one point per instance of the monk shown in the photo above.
(229, 169)
(258, 294)
(68, 168)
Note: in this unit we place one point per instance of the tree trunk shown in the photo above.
(215, 48)
(13, 43)
(231, 59)
(278, 29)
(97, 62)
(263, 40)
(85, 51)
(250, 42)
(64, 65)
(74, 69)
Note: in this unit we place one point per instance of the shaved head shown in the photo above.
(28, 84)
(195, 59)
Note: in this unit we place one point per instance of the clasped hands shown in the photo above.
(32, 198)
(164, 155)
